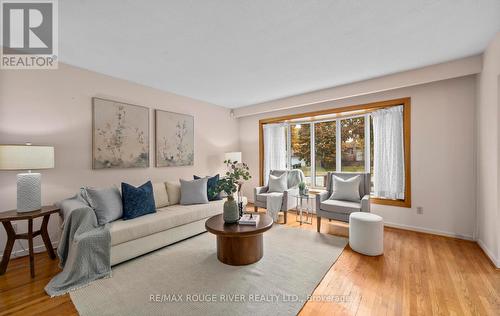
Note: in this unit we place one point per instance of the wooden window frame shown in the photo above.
(406, 102)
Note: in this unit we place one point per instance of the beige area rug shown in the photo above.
(187, 279)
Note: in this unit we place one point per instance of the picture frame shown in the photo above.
(120, 135)
(174, 139)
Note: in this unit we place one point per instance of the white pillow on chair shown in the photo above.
(277, 184)
(345, 190)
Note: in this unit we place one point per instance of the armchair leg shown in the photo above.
(255, 208)
(284, 213)
(318, 223)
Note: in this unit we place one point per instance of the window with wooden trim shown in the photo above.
(342, 140)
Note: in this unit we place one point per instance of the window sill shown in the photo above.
(399, 203)
(375, 200)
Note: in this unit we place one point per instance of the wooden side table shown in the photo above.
(7, 217)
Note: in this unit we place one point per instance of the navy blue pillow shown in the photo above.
(212, 182)
(137, 201)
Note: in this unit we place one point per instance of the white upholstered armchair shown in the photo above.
(289, 199)
(338, 209)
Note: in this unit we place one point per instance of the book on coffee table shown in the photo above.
(249, 219)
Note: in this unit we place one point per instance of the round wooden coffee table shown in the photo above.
(239, 244)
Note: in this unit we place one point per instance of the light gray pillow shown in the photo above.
(345, 190)
(107, 203)
(194, 191)
(277, 184)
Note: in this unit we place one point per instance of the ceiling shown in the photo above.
(236, 53)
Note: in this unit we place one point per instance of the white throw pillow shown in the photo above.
(277, 184)
(160, 194)
(173, 192)
(345, 190)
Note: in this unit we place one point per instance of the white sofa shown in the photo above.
(170, 224)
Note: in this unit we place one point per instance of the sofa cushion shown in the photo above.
(137, 201)
(277, 183)
(262, 197)
(212, 183)
(338, 206)
(294, 176)
(345, 189)
(173, 192)
(106, 203)
(194, 192)
(165, 218)
(160, 194)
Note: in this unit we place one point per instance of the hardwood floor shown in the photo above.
(22, 295)
(419, 274)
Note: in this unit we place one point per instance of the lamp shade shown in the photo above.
(233, 156)
(26, 157)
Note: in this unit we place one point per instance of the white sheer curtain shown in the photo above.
(388, 153)
(274, 148)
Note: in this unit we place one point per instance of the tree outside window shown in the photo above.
(353, 144)
(300, 142)
(352, 147)
(325, 150)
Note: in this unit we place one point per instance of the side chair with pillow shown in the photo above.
(286, 187)
(346, 192)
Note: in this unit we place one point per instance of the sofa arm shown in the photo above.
(365, 203)
(258, 190)
(320, 197)
(290, 199)
(70, 205)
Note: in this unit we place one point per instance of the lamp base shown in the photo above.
(29, 193)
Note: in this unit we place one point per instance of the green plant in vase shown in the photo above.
(230, 184)
(302, 188)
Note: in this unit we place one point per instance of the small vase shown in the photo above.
(231, 214)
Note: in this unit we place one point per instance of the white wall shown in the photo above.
(53, 107)
(442, 154)
(488, 156)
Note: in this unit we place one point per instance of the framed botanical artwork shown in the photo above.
(174, 139)
(120, 135)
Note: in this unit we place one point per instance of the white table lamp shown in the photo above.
(27, 157)
(233, 156)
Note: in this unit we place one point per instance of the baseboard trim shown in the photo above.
(417, 229)
(428, 231)
(489, 253)
(25, 252)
